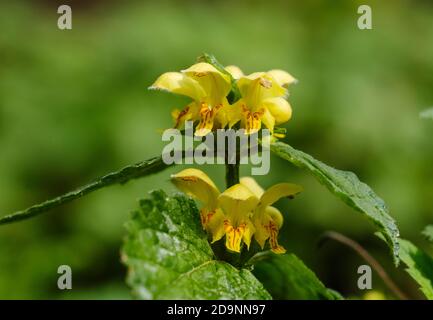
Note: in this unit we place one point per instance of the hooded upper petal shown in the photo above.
(215, 84)
(235, 71)
(238, 202)
(252, 185)
(197, 184)
(258, 86)
(282, 77)
(179, 83)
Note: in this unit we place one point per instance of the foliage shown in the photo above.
(168, 256)
(419, 265)
(347, 186)
(122, 176)
(287, 277)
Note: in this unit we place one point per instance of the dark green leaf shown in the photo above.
(122, 176)
(287, 277)
(419, 266)
(169, 257)
(347, 187)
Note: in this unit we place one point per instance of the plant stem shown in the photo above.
(122, 176)
(232, 174)
(367, 257)
(232, 170)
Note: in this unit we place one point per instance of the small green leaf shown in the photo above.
(122, 176)
(347, 187)
(287, 277)
(428, 233)
(169, 257)
(427, 114)
(419, 266)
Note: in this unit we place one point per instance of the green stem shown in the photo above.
(232, 174)
(122, 176)
(232, 170)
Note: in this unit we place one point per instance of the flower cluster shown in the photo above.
(263, 97)
(240, 212)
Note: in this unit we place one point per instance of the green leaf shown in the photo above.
(419, 266)
(287, 277)
(122, 176)
(427, 114)
(348, 188)
(169, 257)
(234, 94)
(428, 233)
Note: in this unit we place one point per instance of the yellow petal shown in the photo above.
(248, 233)
(234, 113)
(275, 215)
(215, 225)
(197, 184)
(252, 184)
(188, 113)
(237, 198)
(276, 248)
(227, 115)
(279, 108)
(215, 84)
(276, 192)
(261, 234)
(267, 227)
(179, 83)
(237, 202)
(235, 71)
(236, 234)
(258, 86)
(273, 240)
(233, 237)
(207, 118)
(252, 120)
(268, 120)
(282, 77)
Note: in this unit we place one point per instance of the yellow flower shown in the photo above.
(238, 203)
(268, 220)
(208, 88)
(263, 99)
(222, 214)
(240, 212)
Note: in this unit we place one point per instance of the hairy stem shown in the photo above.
(122, 176)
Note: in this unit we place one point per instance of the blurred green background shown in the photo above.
(74, 106)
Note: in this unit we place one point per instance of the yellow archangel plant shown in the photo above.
(263, 97)
(240, 212)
